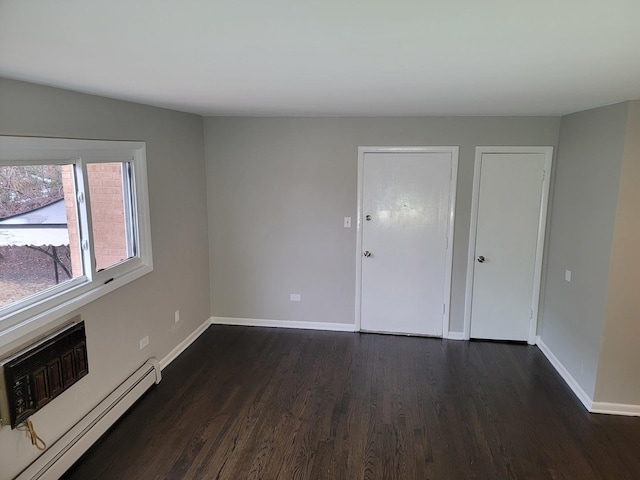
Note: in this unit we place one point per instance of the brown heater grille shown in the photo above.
(35, 376)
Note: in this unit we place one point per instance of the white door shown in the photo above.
(406, 217)
(510, 212)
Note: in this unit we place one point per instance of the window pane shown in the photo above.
(39, 242)
(110, 212)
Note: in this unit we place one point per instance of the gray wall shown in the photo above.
(583, 210)
(618, 379)
(180, 280)
(278, 189)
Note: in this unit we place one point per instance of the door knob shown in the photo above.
(480, 259)
(368, 218)
(367, 253)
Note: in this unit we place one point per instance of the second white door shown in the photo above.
(511, 191)
(406, 213)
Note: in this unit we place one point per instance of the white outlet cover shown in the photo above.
(295, 297)
(347, 222)
(567, 275)
(177, 316)
(144, 342)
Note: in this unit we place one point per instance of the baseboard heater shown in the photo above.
(60, 456)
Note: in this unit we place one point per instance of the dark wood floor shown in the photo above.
(291, 404)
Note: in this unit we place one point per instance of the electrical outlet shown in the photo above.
(177, 316)
(144, 342)
(295, 297)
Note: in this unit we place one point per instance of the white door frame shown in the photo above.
(542, 223)
(452, 208)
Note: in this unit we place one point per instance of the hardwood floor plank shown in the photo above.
(257, 403)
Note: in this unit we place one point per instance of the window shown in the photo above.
(74, 225)
(36, 208)
(111, 214)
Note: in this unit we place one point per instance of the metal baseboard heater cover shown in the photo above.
(60, 456)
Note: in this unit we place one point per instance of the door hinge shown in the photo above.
(530, 314)
(544, 174)
(446, 243)
(444, 308)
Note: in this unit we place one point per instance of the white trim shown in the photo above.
(590, 405)
(358, 302)
(542, 227)
(186, 343)
(542, 223)
(454, 336)
(57, 459)
(616, 409)
(260, 322)
(471, 253)
(40, 149)
(453, 183)
(564, 373)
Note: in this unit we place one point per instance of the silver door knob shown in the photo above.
(367, 253)
(367, 218)
(481, 259)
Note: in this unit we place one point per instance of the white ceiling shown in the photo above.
(331, 57)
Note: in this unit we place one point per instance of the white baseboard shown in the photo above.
(616, 409)
(564, 373)
(454, 336)
(592, 407)
(259, 322)
(182, 346)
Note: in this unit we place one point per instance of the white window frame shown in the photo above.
(37, 311)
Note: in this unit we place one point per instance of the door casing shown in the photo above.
(542, 223)
(453, 150)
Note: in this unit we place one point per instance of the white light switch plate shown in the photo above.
(144, 342)
(295, 297)
(347, 222)
(567, 275)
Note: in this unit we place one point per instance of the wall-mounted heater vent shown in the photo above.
(32, 377)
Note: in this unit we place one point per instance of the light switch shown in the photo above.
(295, 297)
(567, 275)
(347, 222)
